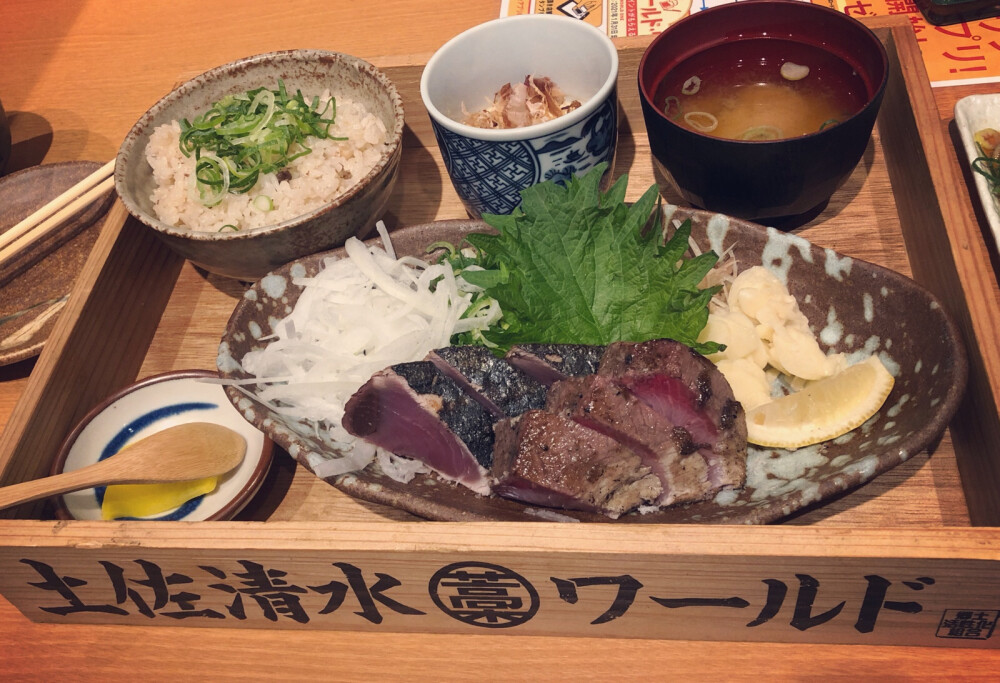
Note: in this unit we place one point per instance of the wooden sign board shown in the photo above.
(940, 590)
(347, 568)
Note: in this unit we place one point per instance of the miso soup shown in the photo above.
(739, 90)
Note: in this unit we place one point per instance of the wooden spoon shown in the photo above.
(182, 453)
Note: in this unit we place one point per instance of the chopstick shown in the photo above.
(49, 217)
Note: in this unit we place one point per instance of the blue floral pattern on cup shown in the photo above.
(490, 175)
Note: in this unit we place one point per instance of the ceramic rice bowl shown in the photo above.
(249, 254)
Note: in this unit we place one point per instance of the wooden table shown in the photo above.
(74, 76)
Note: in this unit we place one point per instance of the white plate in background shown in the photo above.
(973, 113)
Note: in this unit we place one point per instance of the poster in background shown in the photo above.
(963, 53)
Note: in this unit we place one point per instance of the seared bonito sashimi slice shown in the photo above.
(549, 363)
(496, 384)
(601, 404)
(541, 458)
(687, 389)
(413, 409)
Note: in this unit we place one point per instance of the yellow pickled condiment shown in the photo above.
(145, 500)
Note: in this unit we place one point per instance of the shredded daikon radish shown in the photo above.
(401, 469)
(356, 458)
(384, 235)
(358, 315)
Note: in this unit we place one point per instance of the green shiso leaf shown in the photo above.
(575, 265)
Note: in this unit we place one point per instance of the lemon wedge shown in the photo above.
(824, 409)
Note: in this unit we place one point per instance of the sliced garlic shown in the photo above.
(761, 296)
(797, 353)
(751, 385)
(734, 329)
(764, 326)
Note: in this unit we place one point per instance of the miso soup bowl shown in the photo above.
(490, 167)
(762, 179)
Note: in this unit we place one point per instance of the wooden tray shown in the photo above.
(894, 562)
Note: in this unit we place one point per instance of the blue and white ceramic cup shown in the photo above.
(490, 167)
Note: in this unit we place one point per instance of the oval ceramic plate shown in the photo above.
(151, 405)
(853, 306)
(34, 285)
(973, 113)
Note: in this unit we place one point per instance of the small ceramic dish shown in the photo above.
(35, 283)
(151, 405)
(973, 113)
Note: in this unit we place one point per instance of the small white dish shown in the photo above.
(974, 113)
(151, 405)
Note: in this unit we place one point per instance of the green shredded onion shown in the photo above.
(828, 122)
(990, 169)
(987, 164)
(691, 86)
(229, 226)
(460, 258)
(442, 244)
(263, 203)
(761, 133)
(672, 107)
(244, 136)
(701, 121)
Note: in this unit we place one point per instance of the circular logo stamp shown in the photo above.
(483, 594)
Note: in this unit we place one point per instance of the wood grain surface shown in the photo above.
(76, 74)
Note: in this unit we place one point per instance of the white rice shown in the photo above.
(331, 169)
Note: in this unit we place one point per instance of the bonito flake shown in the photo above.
(536, 100)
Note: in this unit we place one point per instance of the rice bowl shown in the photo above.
(285, 233)
(332, 167)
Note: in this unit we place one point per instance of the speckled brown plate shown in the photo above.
(854, 306)
(35, 284)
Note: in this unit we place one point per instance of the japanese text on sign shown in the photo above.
(478, 594)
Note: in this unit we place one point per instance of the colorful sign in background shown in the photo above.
(967, 52)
